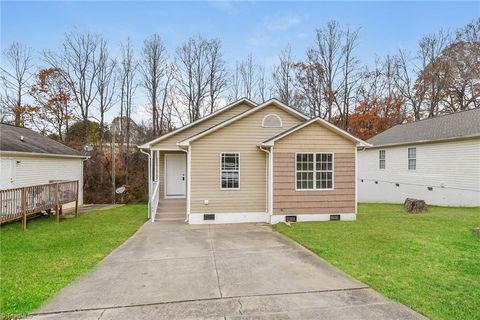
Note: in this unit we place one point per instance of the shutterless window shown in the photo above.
(314, 171)
(412, 158)
(230, 171)
(381, 159)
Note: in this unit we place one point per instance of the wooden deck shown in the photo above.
(21, 203)
(171, 210)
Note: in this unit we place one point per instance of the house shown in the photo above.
(436, 159)
(253, 163)
(28, 158)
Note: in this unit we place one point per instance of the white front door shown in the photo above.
(175, 175)
(7, 173)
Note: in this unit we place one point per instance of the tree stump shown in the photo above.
(415, 205)
(476, 231)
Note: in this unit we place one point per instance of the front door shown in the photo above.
(7, 173)
(175, 175)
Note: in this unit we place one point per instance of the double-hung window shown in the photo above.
(314, 171)
(381, 159)
(230, 170)
(412, 158)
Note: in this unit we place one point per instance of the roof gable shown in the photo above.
(271, 102)
(451, 126)
(271, 141)
(172, 134)
(23, 140)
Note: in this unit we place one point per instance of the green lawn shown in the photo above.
(429, 261)
(37, 263)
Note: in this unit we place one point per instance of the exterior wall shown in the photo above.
(40, 170)
(313, 138)
(242, 136)
(451, 168)
(171, 142)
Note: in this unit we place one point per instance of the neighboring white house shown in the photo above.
(436, 159)
(28, 158)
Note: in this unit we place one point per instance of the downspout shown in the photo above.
(149, 181)
(270, 181)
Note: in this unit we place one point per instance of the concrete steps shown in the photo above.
(171, 210)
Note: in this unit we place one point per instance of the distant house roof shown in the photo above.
(11, 142)
(446, 127)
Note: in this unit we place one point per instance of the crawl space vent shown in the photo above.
(334, 217)
(290, 218)
(208, 217)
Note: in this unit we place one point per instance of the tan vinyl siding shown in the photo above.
(242, 136)
(313, 138)
(171, 142)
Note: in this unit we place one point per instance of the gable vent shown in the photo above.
(272, 121)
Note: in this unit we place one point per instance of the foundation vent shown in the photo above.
(290, 218)
(208, 217)
(334, 217)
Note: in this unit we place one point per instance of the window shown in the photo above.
(412, 158)
(272, 121)
(381, 159)
(230, 170)
(314, 171)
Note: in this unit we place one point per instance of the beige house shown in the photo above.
(253, 163)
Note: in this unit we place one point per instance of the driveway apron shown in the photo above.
(245, 271)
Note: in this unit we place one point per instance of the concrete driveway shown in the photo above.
(173, 270)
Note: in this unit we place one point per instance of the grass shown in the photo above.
(429, 261)
(37, 263)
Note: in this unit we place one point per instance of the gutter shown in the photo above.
(21, 153)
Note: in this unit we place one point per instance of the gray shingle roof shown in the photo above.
(455, 125)
(32, 142)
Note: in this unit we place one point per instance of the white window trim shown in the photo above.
(384, 159)
(239, 170)
(408, 158)
(315, 171)
(275, 115)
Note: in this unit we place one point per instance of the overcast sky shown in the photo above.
(260, 28)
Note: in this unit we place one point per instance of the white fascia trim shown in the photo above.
(37, 154)
(187, 141)
(233, 104)
(234, 217)
(277, 218)
(326, 124)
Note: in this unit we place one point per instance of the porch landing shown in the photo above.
(171, 210)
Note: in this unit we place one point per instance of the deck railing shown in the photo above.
(21, 202)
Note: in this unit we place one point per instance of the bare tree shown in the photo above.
(106, 85)
(433, 77)
(413, 96)
(217, 73)
(15, 80)
(78, 60)
(249, 78)
(262, 85)
(193, 76)
(284, 76)
(309, 78)
(153, 65)
(126, 74)
(349, 74)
